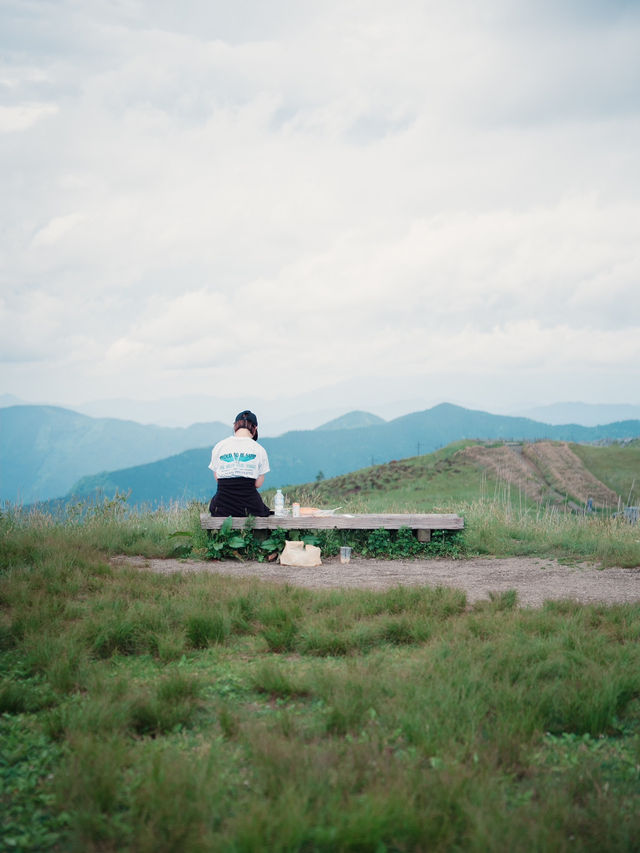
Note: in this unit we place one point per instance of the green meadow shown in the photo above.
(196, 712)
(618, 466)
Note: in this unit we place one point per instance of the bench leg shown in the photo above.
(424, 535)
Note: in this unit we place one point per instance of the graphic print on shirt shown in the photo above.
(237, 457)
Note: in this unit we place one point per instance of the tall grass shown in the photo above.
(109, 525)
(496, 523)
(497, 528)
(198, 712)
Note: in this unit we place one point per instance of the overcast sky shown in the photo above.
(266, 196)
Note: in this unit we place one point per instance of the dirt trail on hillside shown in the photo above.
(507, 463)
(543, 470)
(566, 471)
(535, 580)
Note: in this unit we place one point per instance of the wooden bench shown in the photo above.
(422, 523)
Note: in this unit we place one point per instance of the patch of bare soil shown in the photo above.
(508, 463)
(535, 580)
(565, 471)
(543, 470)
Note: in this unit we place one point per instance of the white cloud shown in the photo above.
(357, 187)
(31, 324)
(13, 119)
(55, 230)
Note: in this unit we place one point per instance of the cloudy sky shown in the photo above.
(270, 196)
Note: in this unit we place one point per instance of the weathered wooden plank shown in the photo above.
(394, 521)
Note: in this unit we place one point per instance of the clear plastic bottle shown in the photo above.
(278, 503)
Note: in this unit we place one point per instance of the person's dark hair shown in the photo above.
(247, 420)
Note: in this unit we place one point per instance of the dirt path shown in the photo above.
(543, 471)
(535, 580)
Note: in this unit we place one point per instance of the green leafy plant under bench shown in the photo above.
(391, 544)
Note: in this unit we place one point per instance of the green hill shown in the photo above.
(618, 466)
(297, 457)
(464, 472)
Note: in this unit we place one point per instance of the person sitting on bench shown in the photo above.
(239, 464)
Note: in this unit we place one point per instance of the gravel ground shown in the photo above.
(535, 580)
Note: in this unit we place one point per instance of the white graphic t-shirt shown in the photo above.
(239, 457)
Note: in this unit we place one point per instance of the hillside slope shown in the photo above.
(545, 472)
(617, 465)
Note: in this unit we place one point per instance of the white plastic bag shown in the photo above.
(299, 554)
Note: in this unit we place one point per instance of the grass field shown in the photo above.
(145, 712)
(618, 466)
(201, 713)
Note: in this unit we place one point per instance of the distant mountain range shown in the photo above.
(302, 411)
(310, 409)
(49, 452)
(300, 456)
(587, 414)
(353, 420)
(44, 450)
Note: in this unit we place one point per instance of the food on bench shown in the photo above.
(314, 510)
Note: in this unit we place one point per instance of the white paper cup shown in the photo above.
(345, 554)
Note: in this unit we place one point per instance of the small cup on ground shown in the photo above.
(345, 554)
